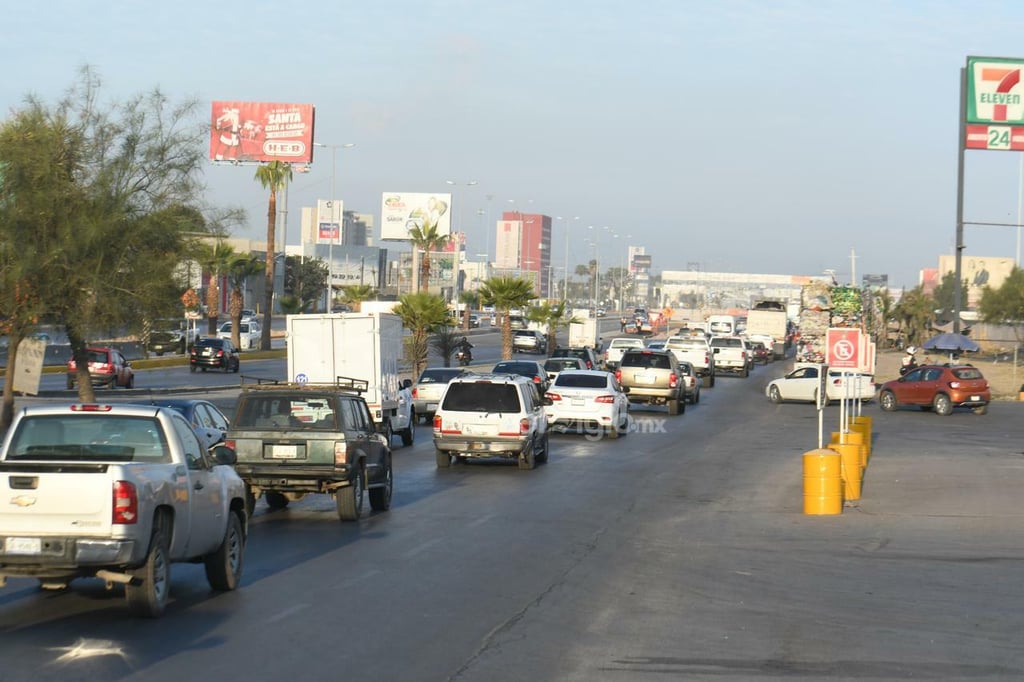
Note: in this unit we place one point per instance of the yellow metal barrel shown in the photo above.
(823, 486)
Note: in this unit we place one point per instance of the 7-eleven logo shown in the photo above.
(997, 92)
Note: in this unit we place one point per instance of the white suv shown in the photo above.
(491, 415)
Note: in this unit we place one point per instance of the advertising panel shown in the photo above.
(261, 132)
(402, 212)
(977, 272)
(994, 90)
(328, 221)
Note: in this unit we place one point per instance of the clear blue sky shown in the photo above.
(746, 136)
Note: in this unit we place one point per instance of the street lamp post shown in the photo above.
(335, 220)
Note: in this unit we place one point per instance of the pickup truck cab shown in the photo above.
(731, 354)
(117, 492)
(618, 346)
(697, 351)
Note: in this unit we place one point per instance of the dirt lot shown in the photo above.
(1002, 376)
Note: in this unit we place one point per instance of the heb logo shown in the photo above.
(281, 148)
(844, 348)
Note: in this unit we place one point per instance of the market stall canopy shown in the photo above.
(954, 344)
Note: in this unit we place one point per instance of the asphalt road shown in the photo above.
(678, 552)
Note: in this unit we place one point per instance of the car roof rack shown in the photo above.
(346, 384)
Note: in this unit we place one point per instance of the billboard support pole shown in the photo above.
(960, 144)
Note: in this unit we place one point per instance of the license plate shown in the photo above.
(23, 545)
(476, 446)
(431, 407)
(644, 378)
(578, 402)
(975, 397)
(284, 451)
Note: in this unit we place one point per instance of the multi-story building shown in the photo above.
(524, 244)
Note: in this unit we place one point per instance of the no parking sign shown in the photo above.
(845, 347)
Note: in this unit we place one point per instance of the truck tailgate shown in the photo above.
(47, 499)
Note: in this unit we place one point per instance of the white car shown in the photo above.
(555, 366)
(804, 381)
(588, 400)
(248, 334)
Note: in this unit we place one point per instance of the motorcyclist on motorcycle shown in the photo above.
(908, 362)
(466, 349)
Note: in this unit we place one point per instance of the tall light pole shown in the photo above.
(565, 275)
(335, 220)
(462, 229)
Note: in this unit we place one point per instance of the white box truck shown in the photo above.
(768, 318)
(583, 334)
(367, 346)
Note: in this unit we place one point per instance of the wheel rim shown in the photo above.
(160, 575)
(234, 549)
(775, 396)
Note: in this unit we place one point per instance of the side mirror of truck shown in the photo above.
(222, 454)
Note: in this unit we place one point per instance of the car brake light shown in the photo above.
(604, 399)
(414, 391)
(536, 380)
(126, 503)
(553, 396)
(91, 408)
(230, 444)
(340, 452)
(673, 380)
(618, 375)
(524, 426)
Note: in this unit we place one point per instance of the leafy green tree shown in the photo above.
(471, 300)
(1005, 304)
(945, 293)
(421, 313)
(293, 305)
(305, 279)
(273, 176)
(426, 239)
(506, 293)
(354, 295)
(552, 316)
(240, 269)
(92, 196)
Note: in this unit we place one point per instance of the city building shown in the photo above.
(523, 246)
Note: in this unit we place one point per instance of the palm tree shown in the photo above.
(916, 312)
(214, 259)
(552, 316)
(355, 294)
(470, 299)
(420, 313)
(506, 293)
(273, 176)
(444, 340)
(426, 239)
(239, 271)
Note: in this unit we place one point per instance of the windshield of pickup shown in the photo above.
(95, 437)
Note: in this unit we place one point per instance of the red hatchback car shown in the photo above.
(938, 387)
(107, 367)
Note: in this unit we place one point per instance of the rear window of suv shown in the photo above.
(650, 360)
(481, 396)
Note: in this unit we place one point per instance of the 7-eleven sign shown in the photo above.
(995, 91)
(845, 347)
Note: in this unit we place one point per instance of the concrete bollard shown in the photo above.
(823, 488)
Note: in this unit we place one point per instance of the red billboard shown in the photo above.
(261, 131)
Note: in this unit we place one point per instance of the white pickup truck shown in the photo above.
(117, 492)
(618, 346)
(696, 351)
(731, 353)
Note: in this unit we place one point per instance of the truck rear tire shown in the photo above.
(276, 500)
(711, 380)
(349, 500)
(409, 433)
(444, 460)
(380, 497)
(224, 566)
(673, 407)
(149, 598)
